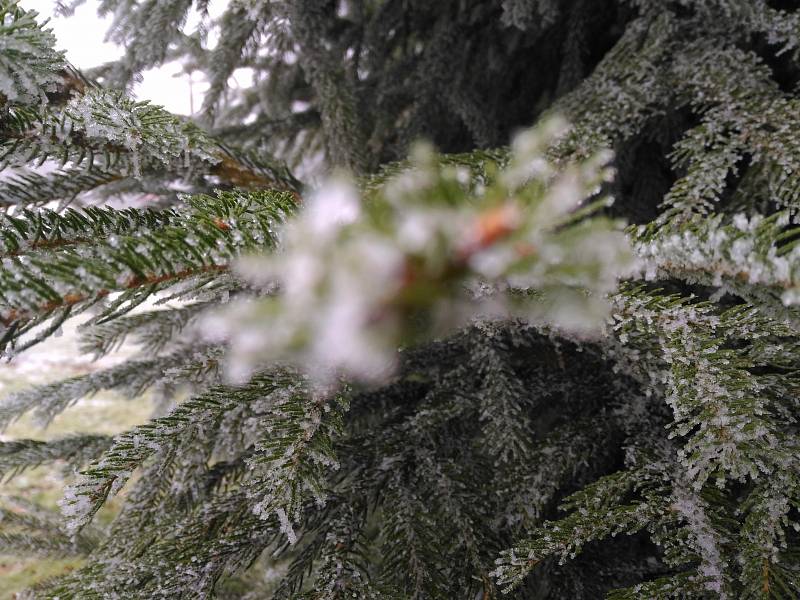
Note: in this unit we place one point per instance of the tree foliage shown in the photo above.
(442, 375)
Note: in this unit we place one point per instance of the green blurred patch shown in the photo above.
(16, 574)
(106, 413)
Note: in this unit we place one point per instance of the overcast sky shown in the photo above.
(81, 36)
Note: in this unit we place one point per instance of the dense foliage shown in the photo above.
(455, 375)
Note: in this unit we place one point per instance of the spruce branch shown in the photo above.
(18, 455)
(139, 263)
(29, 63)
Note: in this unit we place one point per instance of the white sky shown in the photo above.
(82, 37)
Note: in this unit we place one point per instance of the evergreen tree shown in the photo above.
(454, 375)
